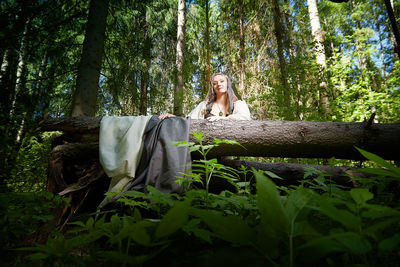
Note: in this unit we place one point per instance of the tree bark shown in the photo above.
(392, 18)
(144, 80)
(319, 38)
(282, 62)
(292, 173)
(178, 93)
(85, 96)
(207, 41)
(296, 139)
(241, 48)
(21, 69)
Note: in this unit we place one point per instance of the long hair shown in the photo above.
(212, 97)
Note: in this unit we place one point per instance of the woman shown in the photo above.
(222, 103)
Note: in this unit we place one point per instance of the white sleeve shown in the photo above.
(240, 111)
(198, 112)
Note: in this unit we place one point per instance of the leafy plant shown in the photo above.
(207, 167)
(22, 213)
(314, 223)
(29, 172)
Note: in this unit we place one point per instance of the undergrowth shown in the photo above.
(313, 223)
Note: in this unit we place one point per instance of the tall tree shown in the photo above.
(319, 50)
(278, 30)
(22, 68)
(178, 93)
(144, 79)
(207, 42)
(85, 96)
(242, 59)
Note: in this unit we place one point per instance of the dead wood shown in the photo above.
(294, 139)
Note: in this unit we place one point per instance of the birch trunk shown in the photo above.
(21, 69)
(319, 38)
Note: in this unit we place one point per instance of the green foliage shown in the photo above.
(313, 223)
(22, 213)
(30, 171)
(207, 167)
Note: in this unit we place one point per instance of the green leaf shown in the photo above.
(206, 147)
(182, 143)
(378, 211)
(38, 256)
(134, 194)
(390, 244)
(175, 218)
(379, 172)
(296, 201)
(115, 224)
(228, 141)
(193, 226)
(378, 160)
(304, 228)
(199, 136)
(342, 216)
(229, 228)
(340, 242)
(270, 205)
(309, 171)
(353, 242)
(272, 175)
(376, 229)
(139, 234)
(361, 195)
(317, 248)
(194, 148)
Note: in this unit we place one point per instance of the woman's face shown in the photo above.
(220, 84)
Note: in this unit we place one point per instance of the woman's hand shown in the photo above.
(166, 115)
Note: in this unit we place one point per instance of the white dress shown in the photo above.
(240, 111)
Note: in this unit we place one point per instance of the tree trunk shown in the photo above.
(292, 173)
(178, 93)
(207, 40)
(21, 69)
(144, 80)
(392, 18)
(319, 38)
(241, 48)
(296, 139)
(8, 82)
(85, 96)
(282, 62)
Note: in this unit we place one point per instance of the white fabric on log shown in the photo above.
(120, 147)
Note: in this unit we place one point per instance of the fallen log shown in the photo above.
(75, 172)
(295, 139)
(75, 167)
(292, 173)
